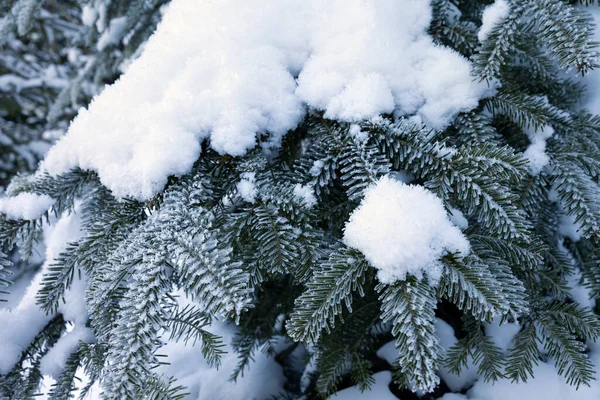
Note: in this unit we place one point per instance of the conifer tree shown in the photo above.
(277, 240)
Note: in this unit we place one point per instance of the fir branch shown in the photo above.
(331, 286)
(410, 306)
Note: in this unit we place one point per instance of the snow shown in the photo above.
(567, 224)
(28, 206)
(458, 218)
(263, 378)
(112, 34)
(536, 152)
(392, 65)
(379, 390)
(246, 187)
(358, 135)
(403, 229)
(592, 78)
(20, 325)
(55, 360)
(388, 352)
(232, 78)
(316, 168)
(453, 396)
(468, 374)
(493, 15)
(579, 293)
(306, 194)
(502, 335)
(547, 385)
(88, 15)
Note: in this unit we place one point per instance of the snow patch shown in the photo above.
(468, 374)
(28, 206)
(262, 379)
(233, 78)
(458, 218)
(88, 15)
(545, 385)
(493, 15)
(19, 326)
(246, 187)
(536, 152)
(502, 335)
(113, 34)
(55, 360)
(306, 194)
(379, 390)
(403, 229)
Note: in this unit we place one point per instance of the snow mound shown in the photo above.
(233, 77)
(28, 206)
(403, 229)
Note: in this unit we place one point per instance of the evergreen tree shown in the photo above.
(261, 239)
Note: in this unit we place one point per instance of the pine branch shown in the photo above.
(187, 324)
(410, 306)
(331, 286)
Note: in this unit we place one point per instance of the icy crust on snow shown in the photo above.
(403, 229)
(252, 67)
(28, 206)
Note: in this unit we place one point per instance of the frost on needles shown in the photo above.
(309, 195)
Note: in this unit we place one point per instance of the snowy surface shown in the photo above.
(233, 77)
(20, 325)
(403, 229)
(27, 206)
(264, 377)
(592, 78)
(379, 390)
(493, 15)
(468, 374)
(547, 385)
(502, 335)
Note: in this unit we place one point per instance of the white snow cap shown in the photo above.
(493, 15)
(403, 229)
(27, 206)
(234, 76)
